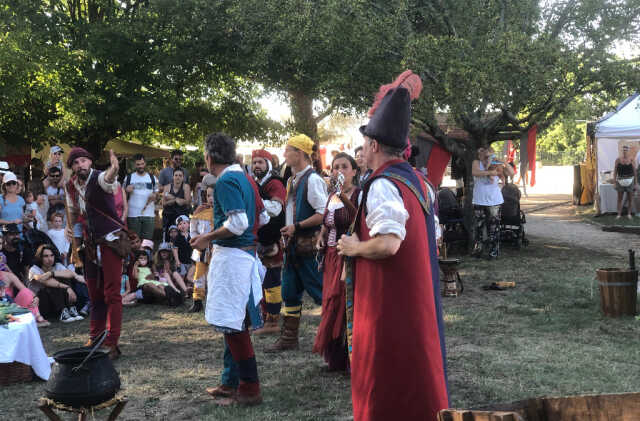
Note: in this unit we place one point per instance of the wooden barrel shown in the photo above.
(618, 291)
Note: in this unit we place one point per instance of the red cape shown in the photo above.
(397, 367)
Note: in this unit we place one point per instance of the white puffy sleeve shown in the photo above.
(386, 213)
(317, 193)
(237, 222)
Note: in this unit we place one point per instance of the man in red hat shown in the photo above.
(273, 194)
(90, 197)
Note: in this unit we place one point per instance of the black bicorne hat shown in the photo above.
(389, 124)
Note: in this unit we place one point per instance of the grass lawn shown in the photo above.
(588, 214)
(544, 337)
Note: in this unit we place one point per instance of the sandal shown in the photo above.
(42, 322)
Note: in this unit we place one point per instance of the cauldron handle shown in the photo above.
(101, 339)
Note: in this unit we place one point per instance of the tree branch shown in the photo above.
(562, 19)
(324, 114)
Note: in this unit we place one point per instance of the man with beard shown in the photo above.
(273, 195)
(19, 254)
(90, 193)
(141, 187)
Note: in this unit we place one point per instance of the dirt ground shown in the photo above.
(552, 217)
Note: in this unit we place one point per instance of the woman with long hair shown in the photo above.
(339, 214)
(50, 282)
(166, 269)
(175, 200)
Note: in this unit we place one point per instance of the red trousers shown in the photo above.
(104, 284)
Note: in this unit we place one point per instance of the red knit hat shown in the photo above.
(77, 152)
(261, 153)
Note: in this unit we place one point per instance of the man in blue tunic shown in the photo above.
(234, 279)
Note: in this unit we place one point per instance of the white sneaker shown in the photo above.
(65, 317)
(74, 313)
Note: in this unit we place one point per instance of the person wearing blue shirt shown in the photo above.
(11, 204)
(235, 277)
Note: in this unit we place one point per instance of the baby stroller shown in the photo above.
(512, 218)
(451, 217)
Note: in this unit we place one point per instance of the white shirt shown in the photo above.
(486, 190)
(386, 213)
(59, 240)
(34, 271)
(316, 194)
(139, 204)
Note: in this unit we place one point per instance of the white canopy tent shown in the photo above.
(619, 127)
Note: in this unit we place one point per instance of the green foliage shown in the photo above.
(124, 68)
(499, 67)
(331, 51)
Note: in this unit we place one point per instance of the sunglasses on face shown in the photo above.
(11, 183)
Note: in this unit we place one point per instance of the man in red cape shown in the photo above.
(398, 366)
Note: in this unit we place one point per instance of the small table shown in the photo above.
(608, 198)
(20, 342)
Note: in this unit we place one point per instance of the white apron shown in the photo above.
(233, 275)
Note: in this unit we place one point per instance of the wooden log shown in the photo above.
(618, 291)
(469, 415)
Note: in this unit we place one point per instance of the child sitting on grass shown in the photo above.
(149, 289)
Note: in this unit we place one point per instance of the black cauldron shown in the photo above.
(82, 377)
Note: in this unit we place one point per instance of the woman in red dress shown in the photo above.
(338, 216)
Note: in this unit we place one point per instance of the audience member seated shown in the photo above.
(149, 289)
(18, 252)
(165, 269)
(13, 290)
(50, 281)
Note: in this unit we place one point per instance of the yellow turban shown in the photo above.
(302, 142)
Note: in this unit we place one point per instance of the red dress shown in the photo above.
(397, 368)
(331, 339)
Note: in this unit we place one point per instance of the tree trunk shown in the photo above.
(467, 210)
(302, 112)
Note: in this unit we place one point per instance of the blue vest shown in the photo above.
(304, 209)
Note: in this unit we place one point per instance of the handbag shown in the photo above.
(305, 245)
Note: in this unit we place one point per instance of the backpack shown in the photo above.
(127, 181)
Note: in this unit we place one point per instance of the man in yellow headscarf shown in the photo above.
(306, 200)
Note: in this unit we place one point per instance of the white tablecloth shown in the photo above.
(608, 198)
(20, 342)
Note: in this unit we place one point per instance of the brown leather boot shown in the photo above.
(271, 325)
(288, 336)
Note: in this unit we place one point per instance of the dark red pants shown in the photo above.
(104, 284)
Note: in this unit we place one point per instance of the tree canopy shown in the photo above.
(108, 68)
(86, 71)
